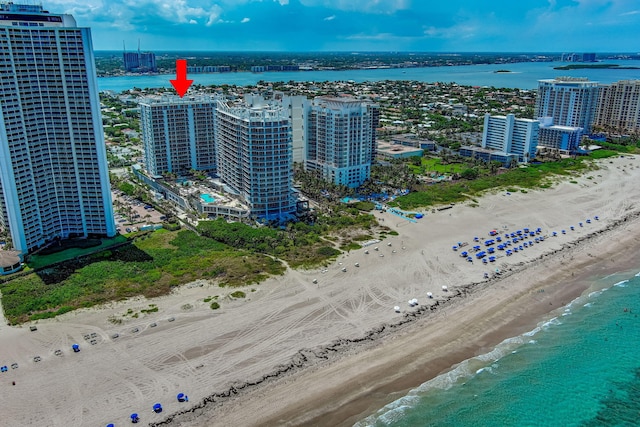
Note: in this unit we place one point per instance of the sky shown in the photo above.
(360, 25)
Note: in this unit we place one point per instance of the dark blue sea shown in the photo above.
(523, 75)
(579, 367)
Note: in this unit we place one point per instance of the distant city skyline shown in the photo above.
(360, 25)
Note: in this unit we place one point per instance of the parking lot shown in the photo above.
(131, 213)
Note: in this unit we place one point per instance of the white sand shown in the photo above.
(203, 352)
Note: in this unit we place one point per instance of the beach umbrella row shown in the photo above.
(157, 408)
(572, 228)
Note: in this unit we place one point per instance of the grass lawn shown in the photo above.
(39, 261)
(430, 165)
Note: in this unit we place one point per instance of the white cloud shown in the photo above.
(330, 18)
(235, 3)
(245, 20)
(460, 31)
(366, 6)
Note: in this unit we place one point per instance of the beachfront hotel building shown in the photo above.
(563, 138)
(619, 107)
(296, 107)
(570, 101)
(508, 135)
(254, 157)
(178, 134)
(54, 180)
(341, 139)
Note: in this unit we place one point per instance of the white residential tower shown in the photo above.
(53, 167)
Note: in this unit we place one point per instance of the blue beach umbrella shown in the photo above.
(134, 418)
(157, 408)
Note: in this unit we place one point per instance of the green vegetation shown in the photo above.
(328, 252)
(150, 266)
(350, 246)
(238, 294)
(127, 188)
(152, 309)
(365, 206)
(603, 154)
(429, 165)
(214, 306)
(300, 244)
(532, 176)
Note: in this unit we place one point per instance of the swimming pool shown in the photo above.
(207, 198)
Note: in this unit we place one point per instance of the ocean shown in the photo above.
(579, 367)
(523, 75)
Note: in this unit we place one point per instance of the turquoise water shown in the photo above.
(524, 75)
(207, 198)
(579, 368)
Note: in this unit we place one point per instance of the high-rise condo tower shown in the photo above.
(54, 181)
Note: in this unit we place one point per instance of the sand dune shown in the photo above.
(326, 353)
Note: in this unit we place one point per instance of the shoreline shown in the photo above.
(326, 346)
(341, 405)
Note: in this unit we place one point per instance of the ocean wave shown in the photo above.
(551, 322)
(394, 415)
(532, 332)
(622, 284)
(395, 411)
(595, 294)
(462, 372)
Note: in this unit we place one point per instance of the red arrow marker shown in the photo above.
(181, 84)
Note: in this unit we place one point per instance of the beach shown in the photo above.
(325, 346)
